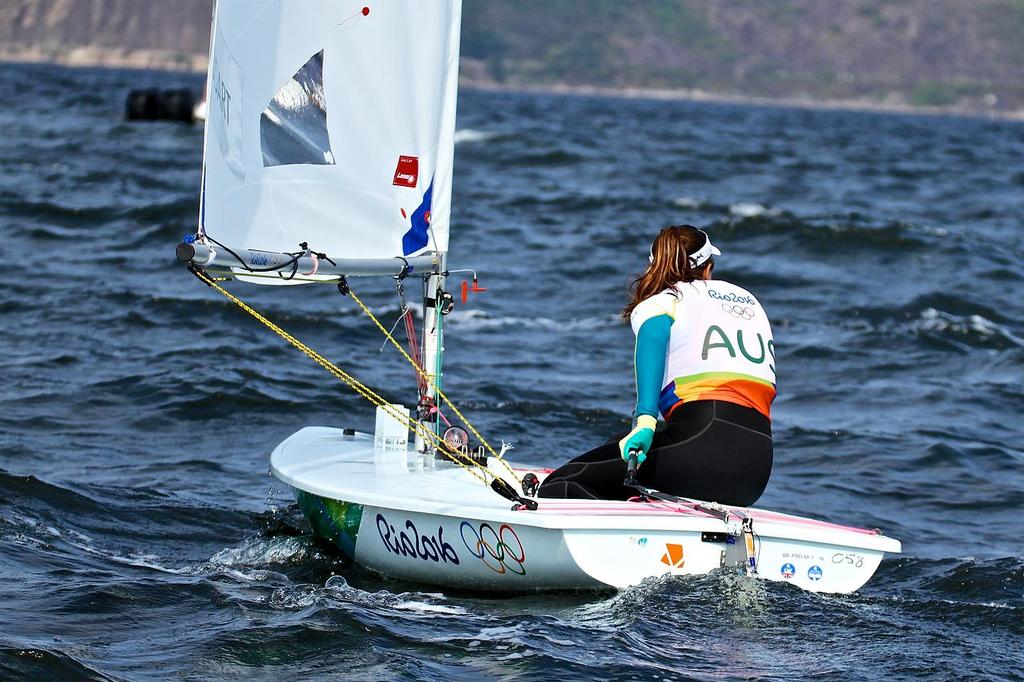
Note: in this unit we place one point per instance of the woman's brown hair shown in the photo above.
(671, 264)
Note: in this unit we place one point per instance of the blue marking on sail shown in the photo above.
(416, 237)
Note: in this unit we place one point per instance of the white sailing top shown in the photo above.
(720, 347)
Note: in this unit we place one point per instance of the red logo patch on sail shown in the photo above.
(407, 172)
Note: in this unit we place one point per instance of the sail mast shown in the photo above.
(435, 305)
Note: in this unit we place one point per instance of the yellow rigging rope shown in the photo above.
(362, 389)
(432, 383)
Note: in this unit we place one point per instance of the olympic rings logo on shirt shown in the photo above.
(742, 312)
(501, 550)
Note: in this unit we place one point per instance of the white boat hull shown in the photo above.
(441, 526)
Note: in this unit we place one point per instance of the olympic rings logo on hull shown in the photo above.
(501, 550)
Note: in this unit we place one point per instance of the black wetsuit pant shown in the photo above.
(709, 450)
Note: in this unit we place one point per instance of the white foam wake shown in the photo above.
(746, 209)
(481, 319)
(472, 135)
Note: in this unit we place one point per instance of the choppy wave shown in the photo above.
(469, 135)
(751, 210)
(827, 237)
(972, 328)
(953, 323)
(689, 202)
(18, 663)
(477, 320)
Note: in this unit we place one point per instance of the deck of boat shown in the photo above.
(330, 463)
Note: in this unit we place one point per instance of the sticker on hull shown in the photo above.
(333, 520)
(407, 541)
(499, 550)
(673, 557)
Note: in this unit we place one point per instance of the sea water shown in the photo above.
(138, 408)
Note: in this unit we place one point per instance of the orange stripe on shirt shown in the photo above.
(732, 388)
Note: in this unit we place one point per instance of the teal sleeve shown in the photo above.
(649, 361)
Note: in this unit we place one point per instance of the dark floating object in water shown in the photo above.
(152, 104)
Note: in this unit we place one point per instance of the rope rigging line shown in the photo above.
(417, 355)
(410, 329)
(474, 467)
(433, 384)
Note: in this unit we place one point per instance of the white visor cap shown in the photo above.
(702, 254)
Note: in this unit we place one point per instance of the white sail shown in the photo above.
(331, 122)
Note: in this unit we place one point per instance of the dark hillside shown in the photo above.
(952, 53)
(921, 52)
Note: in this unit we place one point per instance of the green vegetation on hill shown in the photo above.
(917, 52)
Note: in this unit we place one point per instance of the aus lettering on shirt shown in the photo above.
(716, 337)
(414, 544)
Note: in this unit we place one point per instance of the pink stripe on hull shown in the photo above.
(776, 517)
(599, 508)
(618, 508)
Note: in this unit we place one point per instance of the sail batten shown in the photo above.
(332, 123)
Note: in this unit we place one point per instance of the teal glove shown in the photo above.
(639, 439)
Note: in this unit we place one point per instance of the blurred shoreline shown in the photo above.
(694, 95)
(106, 58)
(178, 62)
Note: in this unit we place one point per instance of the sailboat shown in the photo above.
(328, 157)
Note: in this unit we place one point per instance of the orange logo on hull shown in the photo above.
(673, 555)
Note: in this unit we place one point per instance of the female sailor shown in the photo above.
(704, 358)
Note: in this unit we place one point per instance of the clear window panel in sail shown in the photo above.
(293, 127)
